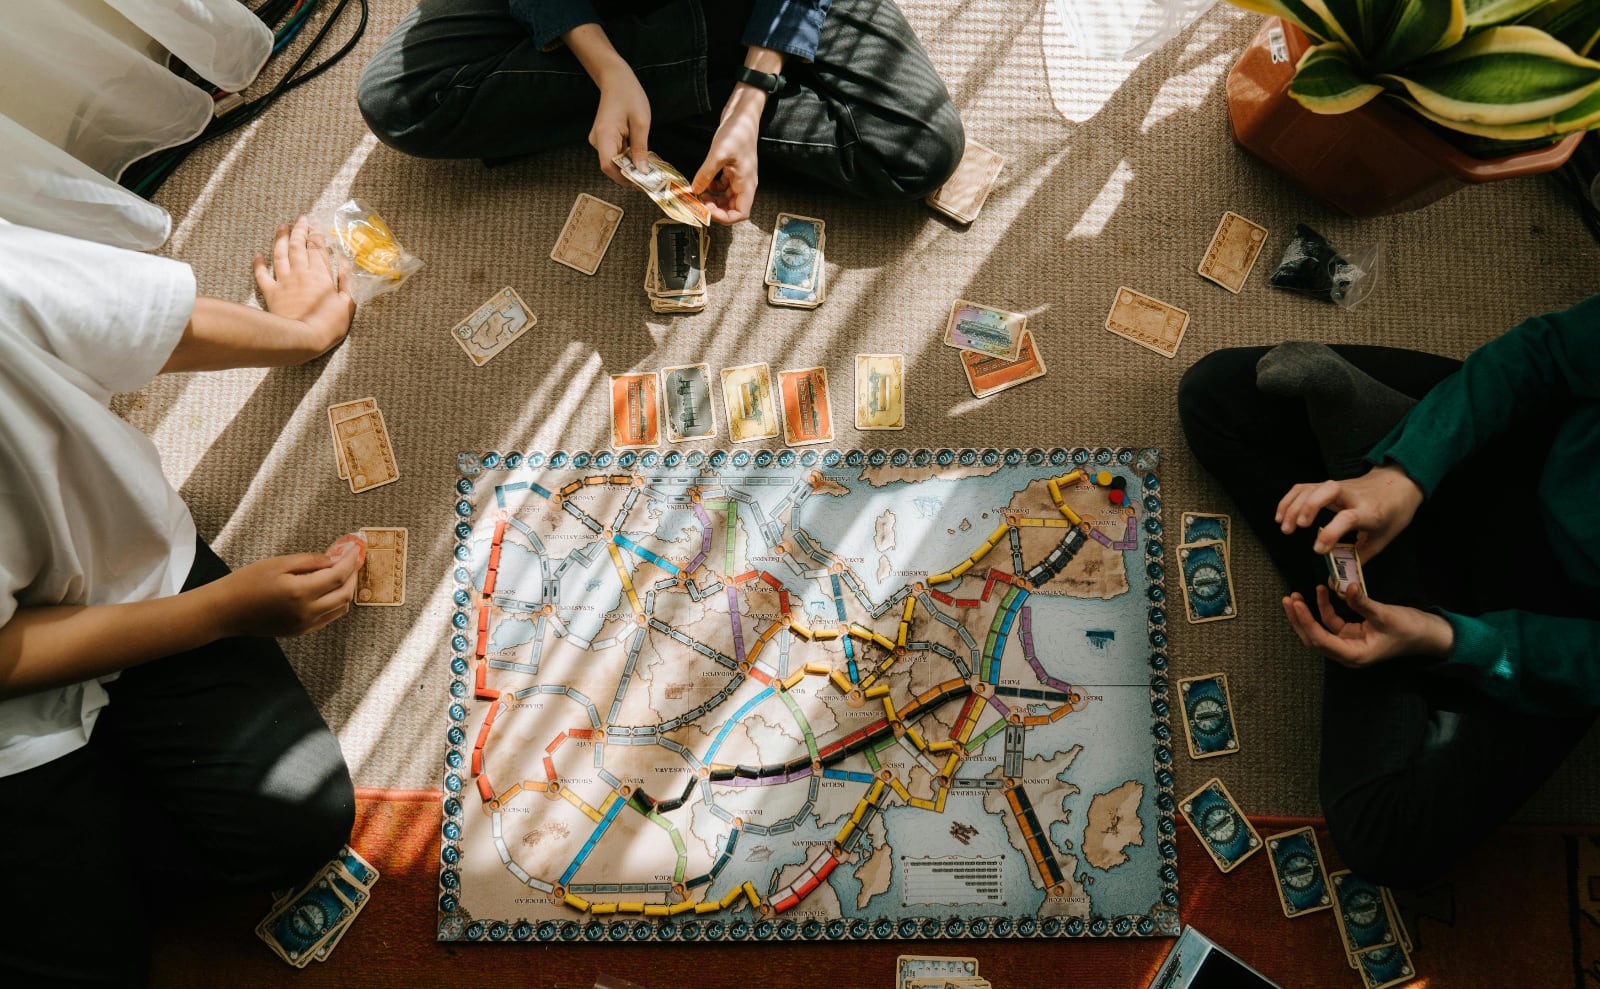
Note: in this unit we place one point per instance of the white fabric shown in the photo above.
(89, 77)
(86, 515)
(43, 186)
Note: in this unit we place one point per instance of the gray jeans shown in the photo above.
(870, 116)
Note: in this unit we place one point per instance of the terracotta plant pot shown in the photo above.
(1371, 161)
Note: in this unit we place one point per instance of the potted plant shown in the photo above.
(1381, 107)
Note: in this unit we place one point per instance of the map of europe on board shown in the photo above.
(785, 695)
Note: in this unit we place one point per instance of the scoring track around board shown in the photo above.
(685, 707)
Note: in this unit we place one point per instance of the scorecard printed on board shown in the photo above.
(772, 695)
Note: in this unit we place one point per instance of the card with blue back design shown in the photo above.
(1208, 716)
(295, 930)
(1362, 911)
(1220, 825)
(1384, 967)
(796, 254)
(1205, 527)
(1207, 582)
(1301, 876)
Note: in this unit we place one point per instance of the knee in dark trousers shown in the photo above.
(1380, 839)
(940, 145)
(296, 819)
(387, 108)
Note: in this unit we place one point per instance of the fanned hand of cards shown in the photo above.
(305, 925)
(668, 188)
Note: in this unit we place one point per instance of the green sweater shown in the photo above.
(1548, 366)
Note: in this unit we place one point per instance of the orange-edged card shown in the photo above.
(807, 408)
(987, 375)
(635, 414)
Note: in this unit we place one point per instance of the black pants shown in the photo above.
(462, 79)
(209, 772)
(1416, 767)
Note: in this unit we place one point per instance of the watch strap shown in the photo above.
(769, 81)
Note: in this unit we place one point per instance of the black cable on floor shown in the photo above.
(146, 176)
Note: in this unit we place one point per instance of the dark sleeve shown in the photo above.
(793, 27)
(1532, 370)
(548, 20)
(1537, 663)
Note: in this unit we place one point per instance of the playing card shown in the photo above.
(963, 194)
(747, 396)
(300, 925)
(587, 233)
(1362, 912)
(338, 413)
(1344, 569)
(985, 330)
(1220, 825)
(910, 967)
(690, 412)
(1299, 872)
(987, 375)
(807, 409)
(1147, 322)
(796, 253)
(948, 983)
(678, 268)
(801, 298)
(1205, 527)
(1207, 582)
(364, 872)
(364, 442)
(667, 187)
(382, 579)
(1233, 251)
(880, 391)
(494, 326)
(1384, 967)
(1397, 920)
(1208, 715)
(360, 872)
(635, 416)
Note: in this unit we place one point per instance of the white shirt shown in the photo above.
(86, 515)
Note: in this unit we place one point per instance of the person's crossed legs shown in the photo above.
(870, 116)
(1415, 769)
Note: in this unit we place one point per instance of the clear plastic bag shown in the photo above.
(379, 264)
(1126, 29)
(1312, 266)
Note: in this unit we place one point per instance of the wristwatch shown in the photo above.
(769, 81)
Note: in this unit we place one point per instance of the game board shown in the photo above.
(791, 695)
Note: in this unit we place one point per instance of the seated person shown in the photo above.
(155, 745)
(1472, 493)
(857, 104)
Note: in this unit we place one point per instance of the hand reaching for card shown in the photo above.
(299, 285)
(1386, 631)
(727, 180)
(1378, 505)
(289, 595)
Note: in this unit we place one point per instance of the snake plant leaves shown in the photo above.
(1574, 23)
(1500, 76)
(1420, 27)
(1327, 80)
(1487, 13)
(1583, 115)
(1311, 16)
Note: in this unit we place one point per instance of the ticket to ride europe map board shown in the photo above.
(785, 695)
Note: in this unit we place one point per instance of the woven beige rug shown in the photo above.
(1118, 174)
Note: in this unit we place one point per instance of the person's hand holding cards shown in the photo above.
(1376, 506)
(289, 595)
(622, 120)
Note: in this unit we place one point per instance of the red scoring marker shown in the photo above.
(1117, 497)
